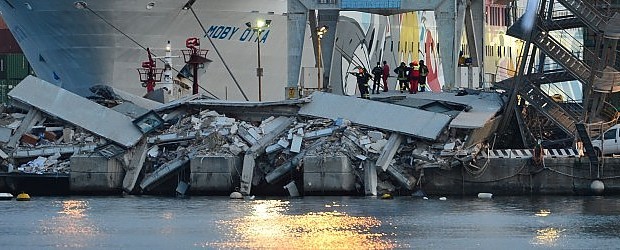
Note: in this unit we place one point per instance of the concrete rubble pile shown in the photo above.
(44, 147)
(368, 157)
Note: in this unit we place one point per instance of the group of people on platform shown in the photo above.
(409, 78)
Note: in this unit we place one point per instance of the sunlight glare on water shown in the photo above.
(268, 227)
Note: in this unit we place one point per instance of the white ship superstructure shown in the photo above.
(76, 48)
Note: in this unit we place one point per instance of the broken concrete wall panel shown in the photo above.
(245, 134)
(76, 110)
(411, 121)
(389, 150)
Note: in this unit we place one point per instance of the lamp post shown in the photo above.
(320, 31)
(259, 27)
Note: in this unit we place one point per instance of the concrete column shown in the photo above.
(328, 18)
(296, 28)
(474, 25)
(450, 17)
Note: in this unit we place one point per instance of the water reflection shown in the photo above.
(71, 224)
(269, 227)
(547, 236)
(543, 213)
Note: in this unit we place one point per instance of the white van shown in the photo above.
(608, 142)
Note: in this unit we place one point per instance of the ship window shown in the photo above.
(1, 64)
(9, 3)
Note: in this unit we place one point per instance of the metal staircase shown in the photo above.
(582, 131)
(561, 55)
(545, 105)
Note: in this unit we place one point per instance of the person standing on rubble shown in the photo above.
(402, 76)
(386, 73)
(423, 74)
(377, 71)
(362, 81)
(414, 77)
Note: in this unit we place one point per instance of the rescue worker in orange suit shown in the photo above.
(377, 71)
(423, 74)
(362, 81)
(402, 76)
(386, 73)
(414, 76)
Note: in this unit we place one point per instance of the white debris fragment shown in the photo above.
(296, 144)
(153, 152)
(283, 143)
(375, 135)
(234, 128)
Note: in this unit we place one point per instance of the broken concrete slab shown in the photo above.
(389, 150)
(292, 189)
(255, 151)
(370, 178)
(62, 149)
(76, 110)
(410, 121)
(168, 168)
(108, 91)
(286, 167)
(484, 106)
(319, 133)
(404, 181)
(31, 119)
(130, 109)
(246, 136)
(135, 166)
(296, 143)
(5, 134)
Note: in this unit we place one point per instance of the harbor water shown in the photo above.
(149, 222)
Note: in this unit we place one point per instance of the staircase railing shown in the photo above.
(589, 14)
(611, 113)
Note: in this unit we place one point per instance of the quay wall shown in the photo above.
(95, 174)
(328, 175)
(510, 176)
(214, 174)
